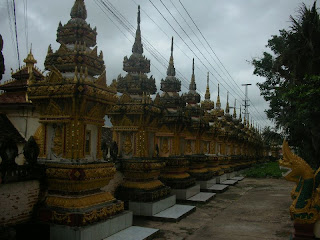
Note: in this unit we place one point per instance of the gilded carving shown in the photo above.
(58, 141)
(165, 146)
(78, 202)
(127, 149)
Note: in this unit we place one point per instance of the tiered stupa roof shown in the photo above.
(76, 39)
(207, 104)
(15, 90)
(136, 82)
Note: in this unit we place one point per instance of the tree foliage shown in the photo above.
(292, 82)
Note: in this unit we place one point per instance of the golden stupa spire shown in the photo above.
(218, 104)
(137, 46)
(207, 95)
(79, 10)
(227, 106)
(171, 70)
(30, 61)
(192, 86)
(234, 109)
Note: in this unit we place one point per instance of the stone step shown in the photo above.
(231, 175)
(149, 209)
(174, 213)
(134, 233)
(202, 197)
(96, 231)
(237, 178)
(230, 182)
(216, 188)
(184, 194)
(208, 183)
(221, 178)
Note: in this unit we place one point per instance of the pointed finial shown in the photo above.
(171, 70)
(79, 10)
(218, 104)
(137, 46)
(192, 85)
(240, 117)
(30, 61)
(234, 109)
(227, 106)
(207, 95)
(172, 46)
(193, 66)
(138, 19)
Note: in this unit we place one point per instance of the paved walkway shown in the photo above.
(253, 209)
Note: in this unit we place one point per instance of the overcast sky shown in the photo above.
(237, 31)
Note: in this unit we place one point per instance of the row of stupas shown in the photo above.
(163, 144)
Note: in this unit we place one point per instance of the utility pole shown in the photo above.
(246, 101)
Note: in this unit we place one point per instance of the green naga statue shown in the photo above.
(305, 207)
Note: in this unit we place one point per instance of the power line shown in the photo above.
(127, 25)
(15, 25)
(25, 13)
(217, 57)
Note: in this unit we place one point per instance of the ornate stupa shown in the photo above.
(195, 146)
(207, 104)
(170, 134)
(135, 120)
(15, 90)
(72, 101)
(136, 82)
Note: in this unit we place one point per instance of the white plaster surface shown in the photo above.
(237, 178)
(151, 208)
(96, 231)
(175, 212)
(217, 187)
(183, 194)
(202, 197)
(207, 184)
(230, 182)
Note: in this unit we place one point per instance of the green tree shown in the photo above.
(292, 82)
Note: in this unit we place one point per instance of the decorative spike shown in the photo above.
(49, 50)
(207, 94)
(101, 55)
(218, 104)
(137, 46)
(227, 106)
(86, 72)
(234, 109)
(171, 70)
(193, 86)
(75, 74)
(79, 10)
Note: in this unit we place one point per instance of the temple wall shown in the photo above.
(26, 122)
(17, 201)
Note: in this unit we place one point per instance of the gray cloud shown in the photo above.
(237, 31)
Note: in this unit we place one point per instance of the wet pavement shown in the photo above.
(252, 209)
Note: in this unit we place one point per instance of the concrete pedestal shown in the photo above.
(231, 175)
(208, 183)
(151, 208)
(95, 231)
(183, 194)
(163, 210)
(221, 178)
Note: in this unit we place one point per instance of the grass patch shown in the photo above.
(264, 170)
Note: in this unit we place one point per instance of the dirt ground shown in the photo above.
(253, 209)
